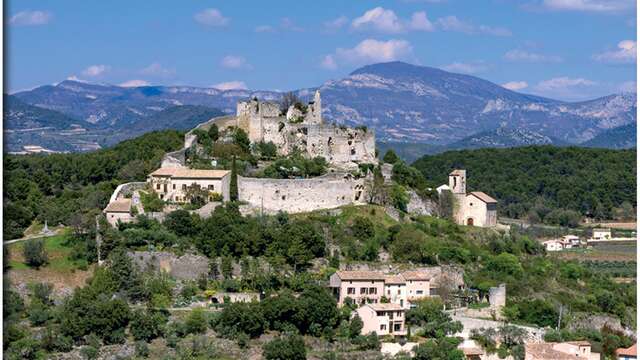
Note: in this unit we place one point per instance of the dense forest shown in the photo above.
(537, 182)
(60, 186)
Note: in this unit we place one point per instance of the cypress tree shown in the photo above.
(233, 186)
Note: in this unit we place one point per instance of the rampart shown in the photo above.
(301, 195)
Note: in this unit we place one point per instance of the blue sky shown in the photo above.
(564, 49)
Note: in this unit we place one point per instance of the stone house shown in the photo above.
(382, 319)
(473, 209)
(368, 287)
(576, 350)
(119, 210)
(171, 183)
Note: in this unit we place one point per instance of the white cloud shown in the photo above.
(329, 63)
(264, 28)
(134, 83)
(156, 69)
(31, 18)
(369, 51)
(526, 56)
(95, 70)
(465, 68)
(378, 19)
(452, 23)
(515, 85)
(626, 53)
(231, 85)
(628, 86)
(590, 5)
(419, 21)
(288, 24)
(211, 17)
(567, 88)
(386, 21)
(75, 78)
(336, 24)
(563, 83)
(235, 62)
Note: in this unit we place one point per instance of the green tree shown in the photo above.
(241, 139)
(390, 157)
(430, 316)
(214, 132)
(147, 324)
(34, 253)
(233, 182)
(285, 348)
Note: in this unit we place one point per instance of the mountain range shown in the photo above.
(404, 103)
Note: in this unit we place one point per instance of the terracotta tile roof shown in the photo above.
(457, 172)
(120, 205)
(472, 351)
(386, 307)
(360, 275)
(394, 279)
(631, 351)
(190, 173)
(484, 197)
(545, 351)
(416, 275)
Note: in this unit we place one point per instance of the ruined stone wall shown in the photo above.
(341, 145)
(301, 195)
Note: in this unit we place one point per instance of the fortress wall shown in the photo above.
(341, 144)
(301, 195)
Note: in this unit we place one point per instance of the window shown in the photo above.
(351, 291)
(399, 292)
(158, 187)
(399, 314)
(363, 291)
(397, 327)
(184, 187)
(380, 313)
(210, 187)
(383, 327)
(419, 292)
(373, 290)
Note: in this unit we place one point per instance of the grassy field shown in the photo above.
(601, 252)
(61, 271)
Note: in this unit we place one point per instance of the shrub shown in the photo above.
(34, 253)
(196, 322)
(289, 348)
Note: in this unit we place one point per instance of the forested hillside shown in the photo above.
(545, 181)
(60, 186)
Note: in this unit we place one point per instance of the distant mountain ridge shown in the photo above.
(402, 102)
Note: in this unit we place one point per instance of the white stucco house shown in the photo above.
(171, 183)
(382, 319)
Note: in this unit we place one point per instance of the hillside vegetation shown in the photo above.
(59, 187)
(545, 183)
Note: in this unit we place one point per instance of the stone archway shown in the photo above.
(470, 222)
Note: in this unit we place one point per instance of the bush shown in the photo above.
(146, 324)
(196, 322)
(34, 253)
(142, 349)
(289, 348)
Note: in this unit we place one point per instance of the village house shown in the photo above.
(473, 209)
(369, 287)
(601, 234)
(172, 183)
(553, 245)
(119, 210)
(576, 350)
(630, 353)
(382, 319)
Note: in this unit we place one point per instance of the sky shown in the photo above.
(564, 49)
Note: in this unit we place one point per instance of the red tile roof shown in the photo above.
(630, 351)
(484, 197)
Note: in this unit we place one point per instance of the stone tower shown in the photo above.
(458, 181)
(314, 113)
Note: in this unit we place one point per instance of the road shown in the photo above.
(36, 236)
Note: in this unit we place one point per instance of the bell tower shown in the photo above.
(458, 181)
